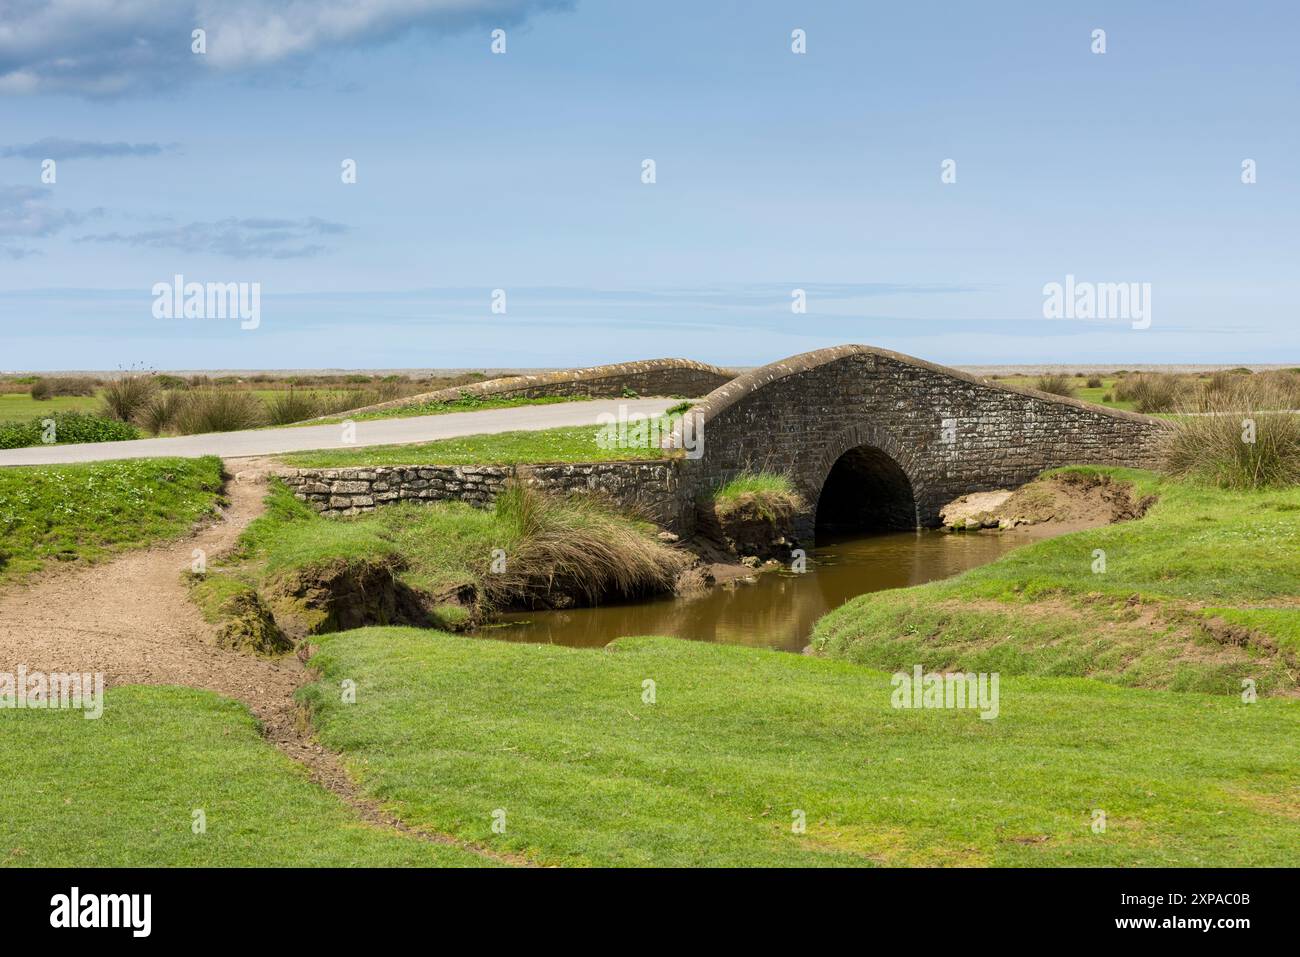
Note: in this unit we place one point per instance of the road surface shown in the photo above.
(425, 428)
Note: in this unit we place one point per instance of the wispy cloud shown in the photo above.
(251, 238)
(53, 147)
(103, 49)
(26, 213)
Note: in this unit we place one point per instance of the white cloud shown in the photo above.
(101, 48)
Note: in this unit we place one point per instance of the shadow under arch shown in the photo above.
(865, 485)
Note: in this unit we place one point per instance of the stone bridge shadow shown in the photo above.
(875, 439)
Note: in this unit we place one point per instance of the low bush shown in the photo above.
(1094, 383)
(66, 428)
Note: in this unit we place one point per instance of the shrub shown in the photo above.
(126, 396)
(168, 381)
(69, 427)
(41, 390)
(220, 410)
(1055, 383)
(1214, 445)
(291, 406)
(1094, 382)
(575, 548)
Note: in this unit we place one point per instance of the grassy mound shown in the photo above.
(1129, 603)
(88, 511)
(1233, 441)
(450, 729)
(122, 791)
(441, 564)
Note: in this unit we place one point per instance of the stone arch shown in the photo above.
(864, 480)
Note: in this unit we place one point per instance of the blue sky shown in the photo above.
(522, 172)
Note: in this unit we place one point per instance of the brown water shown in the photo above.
(774, 609)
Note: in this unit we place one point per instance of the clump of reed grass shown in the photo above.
(292, 406)
(1055, 383)
(125, 397)
(219, 410)
(1237, 438)
(575, 550)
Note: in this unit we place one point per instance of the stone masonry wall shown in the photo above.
(666, 377)
(651, 489)
(950, 432)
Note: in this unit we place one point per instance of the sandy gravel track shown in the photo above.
(131, 619)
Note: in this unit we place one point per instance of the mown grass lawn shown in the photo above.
(92, 510)
(1151, 618)
(121, 791)
(569, 444)
(19, 407)
(448, 730)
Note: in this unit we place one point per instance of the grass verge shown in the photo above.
(1125, 602)
(450, 729)
(122, 791)
(466, 403)
(569, 444)
(87, 511)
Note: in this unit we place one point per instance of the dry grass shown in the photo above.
(125, 397)
(575, 550)
(1055, 384)
(1236, 438)
(219, 410)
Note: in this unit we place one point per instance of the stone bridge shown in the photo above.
(876, 439)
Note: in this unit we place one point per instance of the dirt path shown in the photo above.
(132, 620)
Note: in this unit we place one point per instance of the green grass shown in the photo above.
(121, 791)
(1081, 390)
(441, 543)
(446, 730)
(754, 483)
(466, 403)
(442, 552)
(89, 511)
(570, 444)
(21, 407)
(1042, 610)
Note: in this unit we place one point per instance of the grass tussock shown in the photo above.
(575, 549)
(1055, 384)
(125, 397)
(219, 410)
(1151, 391)
(1233, 441)
(764, 495)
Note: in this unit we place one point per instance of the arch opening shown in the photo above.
(866, 490)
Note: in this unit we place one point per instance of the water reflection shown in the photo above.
(774, 609)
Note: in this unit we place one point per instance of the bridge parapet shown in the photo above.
(948, 432)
